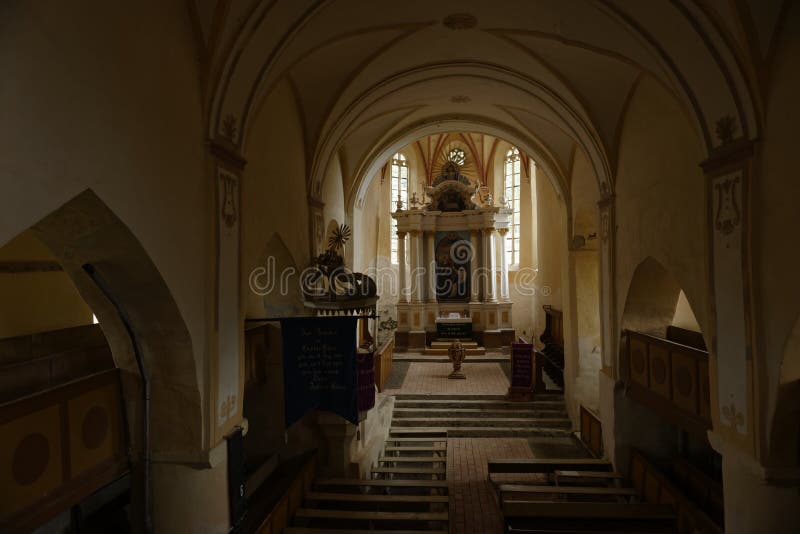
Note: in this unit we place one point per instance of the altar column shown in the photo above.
(416, 262)
(490, 264)
(501, 235)
(401, 267)
(431, 268)
(475, 289)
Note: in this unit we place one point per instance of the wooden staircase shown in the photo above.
(407, 493)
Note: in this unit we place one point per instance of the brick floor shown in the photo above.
(482, 378)
(473, 506)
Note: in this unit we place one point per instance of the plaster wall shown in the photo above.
(660, 218)
(775, 190)
(551, 250)
(37, 301)
(274, 199)
(125, 121)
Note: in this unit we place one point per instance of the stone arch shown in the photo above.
(85, 231)
(652, 298)
(380, 154)
(784, 437)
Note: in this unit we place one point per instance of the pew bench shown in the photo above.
(587, 517)
(547, 465)
(528, 492)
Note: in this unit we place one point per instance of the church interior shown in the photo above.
(350, 266)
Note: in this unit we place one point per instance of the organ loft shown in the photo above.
(308, 267)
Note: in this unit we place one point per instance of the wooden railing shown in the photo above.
(271, 508)
(39, 362)
(591, 432)
(383, 363)
(655, 487)
(669, 378)
(59, 446)
(553, 339)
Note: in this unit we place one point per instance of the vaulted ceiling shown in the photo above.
(552, 76)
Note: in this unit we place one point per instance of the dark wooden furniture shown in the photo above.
(669, 378)
(61, 445)
(591, 432)
(654, 486)
(553, 339)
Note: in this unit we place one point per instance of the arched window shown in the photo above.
(512, 173)
(457, 156)
(399, 190)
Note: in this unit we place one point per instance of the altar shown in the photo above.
(452, 262)
(453, 328)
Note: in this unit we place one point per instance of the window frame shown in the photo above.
(398, 181)
(512, 180)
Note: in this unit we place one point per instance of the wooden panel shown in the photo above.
(638, 469)
(659, 370)
(684, 382)
(58, 447)
(95, 430)
(657, 488)
(671, 380)
(31, 459)
(704, 390)
(639, 365)
(591, 431)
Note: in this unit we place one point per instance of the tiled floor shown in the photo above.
(482, 378)
(473, 507)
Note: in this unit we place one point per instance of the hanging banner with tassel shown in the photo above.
(320, 366)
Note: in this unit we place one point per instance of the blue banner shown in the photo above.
(319, 366)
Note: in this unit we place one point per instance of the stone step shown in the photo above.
(487, 431)
(446, 397)
(416, 449)
(441, 404)
(427, 433)
(523, 422)
(302, 530)
(436, 484)
(352, 497)
(409, 470)
(313, 513)
(413, 459)
(476, 351)
(446, 344)
(421, 358)
(402, 413)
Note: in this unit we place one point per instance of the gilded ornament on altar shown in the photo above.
(457, 354)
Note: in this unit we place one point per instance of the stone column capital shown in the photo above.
(502, 231)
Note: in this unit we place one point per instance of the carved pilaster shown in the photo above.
(608, 315)
(733, 363)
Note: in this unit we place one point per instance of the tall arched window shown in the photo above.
(512, 174)
(399, 190)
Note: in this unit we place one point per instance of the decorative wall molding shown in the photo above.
(733, 361)
(11, 267)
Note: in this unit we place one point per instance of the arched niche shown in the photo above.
(85, 231)
(784, 437)
(655, 301)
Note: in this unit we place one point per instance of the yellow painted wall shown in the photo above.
(37, 301)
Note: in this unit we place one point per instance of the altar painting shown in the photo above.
(453, 266)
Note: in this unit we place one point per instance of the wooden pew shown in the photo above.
(587, 517)
(527, 492)
(655, 487)
(547, 465)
